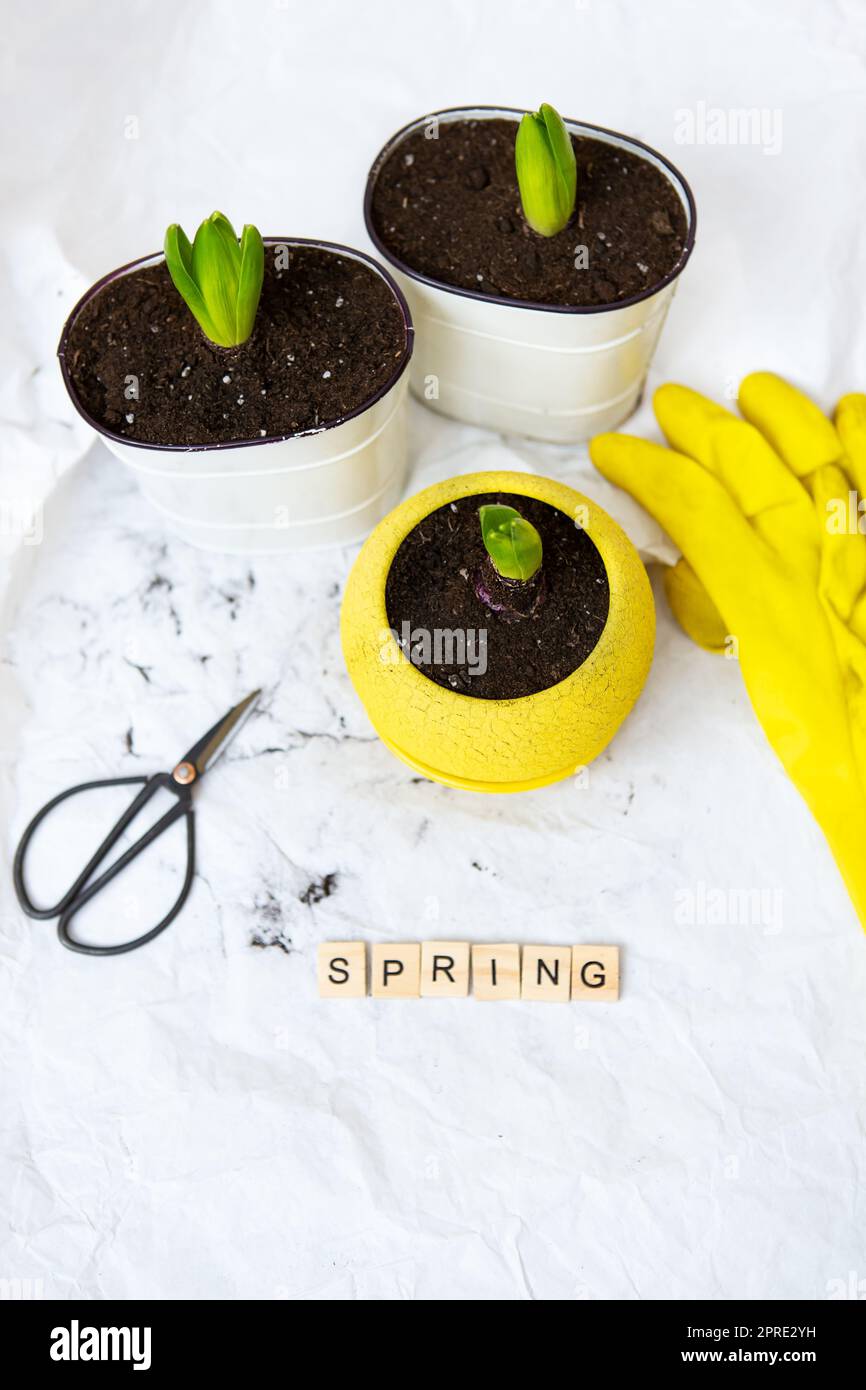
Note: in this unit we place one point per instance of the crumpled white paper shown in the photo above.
(41, 438)
(190, 1121)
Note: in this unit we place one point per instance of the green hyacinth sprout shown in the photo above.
(546, 170)
(219, 278)
(512, 542)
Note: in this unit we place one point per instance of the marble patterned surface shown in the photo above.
(191, 1121)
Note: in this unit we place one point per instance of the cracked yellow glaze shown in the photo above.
(498, 745)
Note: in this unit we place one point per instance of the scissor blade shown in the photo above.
(203, 754)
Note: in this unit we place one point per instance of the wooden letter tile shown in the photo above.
(444, 969)
(342, 969)
(546, 972)
(595, 972)
(496, 972)
(396, 970)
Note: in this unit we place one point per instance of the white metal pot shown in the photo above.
(548, 372)
(328, 486)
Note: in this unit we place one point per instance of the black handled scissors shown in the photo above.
(190, 770)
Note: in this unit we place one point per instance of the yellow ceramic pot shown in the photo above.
(498, 745)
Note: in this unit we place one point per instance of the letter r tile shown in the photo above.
(444, 969)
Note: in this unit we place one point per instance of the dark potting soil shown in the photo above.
(450, 208)
(430, 596)
(328, 336)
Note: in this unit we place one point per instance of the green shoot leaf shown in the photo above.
(512, 542)
(219, 280)
(250, 276)
(546, 170)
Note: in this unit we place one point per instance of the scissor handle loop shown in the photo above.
(83, 889)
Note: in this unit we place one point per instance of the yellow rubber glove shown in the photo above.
(763, 512)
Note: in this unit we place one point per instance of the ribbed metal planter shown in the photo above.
(322, 488)
(560, 374)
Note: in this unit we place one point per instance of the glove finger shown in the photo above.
(698, 514)
(738, 455)
(850, 422)
(730, 448)
(693, 608)
(843, 557)
(798, 430)
(813, 449)
(851, 425)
